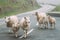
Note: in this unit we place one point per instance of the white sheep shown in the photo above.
(25, 25)
(13, 23)
(52, 21)
(41, 19)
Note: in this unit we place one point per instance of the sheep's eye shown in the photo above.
(25, 22)
(28, 22)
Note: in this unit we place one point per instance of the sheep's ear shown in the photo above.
(36, 13)
(5, 17)
(24, 17)
(9, 18)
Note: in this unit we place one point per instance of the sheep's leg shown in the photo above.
(37, 23)
(54, 25)
(16, 34)
(46, 25)
(41, 26)
(51, 25)
(9, 30)
(25, 35)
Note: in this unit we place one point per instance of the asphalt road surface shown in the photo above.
(36, 34)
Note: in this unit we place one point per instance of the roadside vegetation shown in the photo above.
(57, 9)
(12, 7)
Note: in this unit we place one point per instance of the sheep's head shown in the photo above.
(7, 19)
(49, 16)
(27, 20)
(15, 27)
(36, 13)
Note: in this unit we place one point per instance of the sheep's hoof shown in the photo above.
(16, 35)
(52, 28)
(25, 36)
(41, 28)
(9, 31)
(37, 24)
(46, 27)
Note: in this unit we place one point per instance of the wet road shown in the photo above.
(36, 34)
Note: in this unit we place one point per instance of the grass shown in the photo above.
(57, 9)
(9, 7)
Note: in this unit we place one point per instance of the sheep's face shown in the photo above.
(15, 27)
(36, 14)
(7, 19)
(27, 20)
(49, 17)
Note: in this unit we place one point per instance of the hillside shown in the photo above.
(11, 7)
(57, 9)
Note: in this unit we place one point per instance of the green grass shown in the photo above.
(8, 7)
(57, 9)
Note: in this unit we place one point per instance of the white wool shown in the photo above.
(25, 27)
(22, 20)
(43, 14)
(14, 19)
(53, 19)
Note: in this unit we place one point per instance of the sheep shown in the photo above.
(13, 23)
(15, 29)
(45, 22)
(42, 19)
(52, 21)
(25, 25)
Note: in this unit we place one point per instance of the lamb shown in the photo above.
(13, 23)
(52, 21)
(25, 25)
(42, 19)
